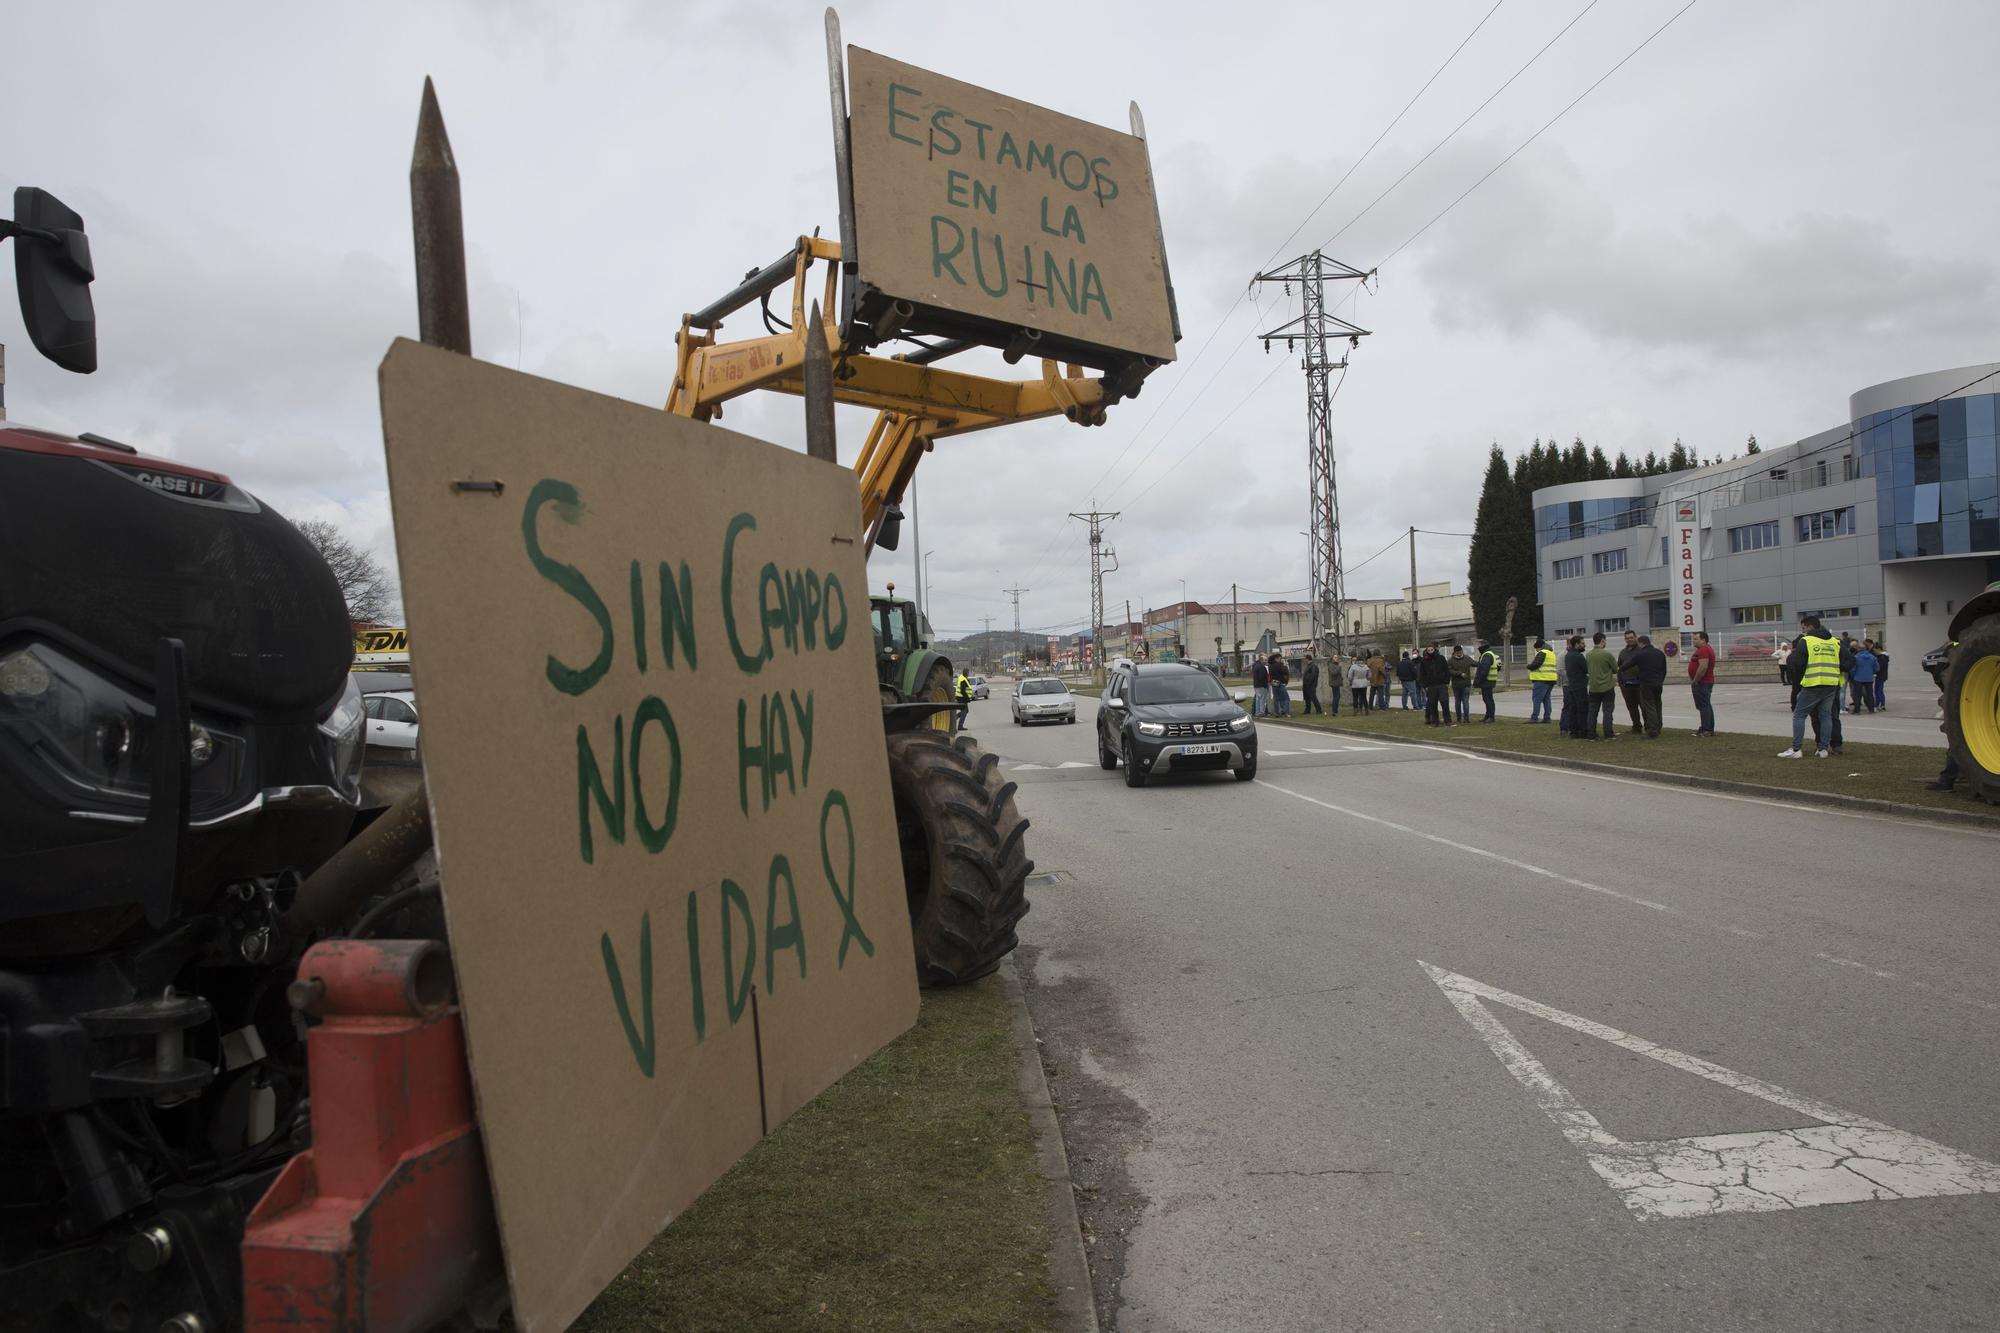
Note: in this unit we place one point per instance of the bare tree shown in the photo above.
(368, 588)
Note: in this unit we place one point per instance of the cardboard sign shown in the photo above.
(663, 817)
(990, 207)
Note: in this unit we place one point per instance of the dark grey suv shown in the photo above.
(1169, 717)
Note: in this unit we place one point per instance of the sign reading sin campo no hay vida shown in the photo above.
(664, 826)
(973, 202)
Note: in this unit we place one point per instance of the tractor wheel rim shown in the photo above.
(1979, 713)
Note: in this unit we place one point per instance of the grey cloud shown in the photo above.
(1546, 247)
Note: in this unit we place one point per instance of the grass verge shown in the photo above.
(906, 1196)
(1878, 772)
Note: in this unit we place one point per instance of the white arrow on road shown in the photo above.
(1846, 1159)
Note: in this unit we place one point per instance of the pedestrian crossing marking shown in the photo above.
(1845, 1159)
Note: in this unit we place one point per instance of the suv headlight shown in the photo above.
(1152, 729)
(1241, 722)
(95, 737)
(343, 727)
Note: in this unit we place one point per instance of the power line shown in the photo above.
(1538, 133)
(1463, 123)
(1238, 302)
(1394, 542)
(1328, 196)
(1483, 179)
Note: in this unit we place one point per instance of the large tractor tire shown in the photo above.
(1972, 707)
(936, 689)
(965, 864)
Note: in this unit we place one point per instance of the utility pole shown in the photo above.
(1314, 327)
(1235, 635)
(986, 639)
(1019, 648)
(1128, 624)
(1416, 638)
(1097, 520)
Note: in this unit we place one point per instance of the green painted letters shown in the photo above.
(643, 1048)
(568, 679)
(792, 934)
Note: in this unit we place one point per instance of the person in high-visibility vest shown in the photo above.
(1818, 665)
(962, 691)
(1543, 672)
(1485, 676)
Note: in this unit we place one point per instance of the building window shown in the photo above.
(1608, 562)
(1768, 614)
(1571, 568)
(1614, 625)
(1753, 536)
(1826, 523)
(1835, 613)
(1663, 549)
(1659, 613)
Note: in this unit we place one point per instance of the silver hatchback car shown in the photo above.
(1043, 699)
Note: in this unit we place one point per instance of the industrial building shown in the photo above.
(1882, 526)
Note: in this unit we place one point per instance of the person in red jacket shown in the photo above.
(1701, 675)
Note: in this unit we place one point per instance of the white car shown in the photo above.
(391, 719)
(980, 689)
(1043, 699)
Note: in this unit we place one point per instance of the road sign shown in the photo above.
(1007, 216)
(1846, 1159)
(653, 742)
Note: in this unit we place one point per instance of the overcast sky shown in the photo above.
(1772, 205)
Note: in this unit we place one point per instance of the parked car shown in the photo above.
(391, 719)
(1169, 717)
(1043, 699)
(980, 690)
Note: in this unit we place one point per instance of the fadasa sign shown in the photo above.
(1687, 565)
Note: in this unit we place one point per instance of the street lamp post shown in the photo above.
(925, 585)
(1183, 634)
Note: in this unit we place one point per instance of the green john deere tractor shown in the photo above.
(1970, 679)
(963, 841)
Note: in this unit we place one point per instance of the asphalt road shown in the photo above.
(1368, 1044)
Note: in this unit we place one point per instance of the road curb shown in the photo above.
(1069, 1267)
(1829, 800)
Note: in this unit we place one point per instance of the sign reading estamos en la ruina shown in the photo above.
(977, 203)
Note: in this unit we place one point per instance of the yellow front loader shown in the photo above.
(965, 864)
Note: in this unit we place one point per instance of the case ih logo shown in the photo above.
(173, 483)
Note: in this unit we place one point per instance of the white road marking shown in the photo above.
(1282, 754)
(1531, 868)
(1027, 768)
(1074, 763)
(1846, 1159)
(1686, 791)
(1849, 962)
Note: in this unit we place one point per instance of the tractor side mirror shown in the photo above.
(52, 269)
(890, 530)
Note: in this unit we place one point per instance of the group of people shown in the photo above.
(1866, 684)
(1438, 681)
(1271, 678)
(1593, 680)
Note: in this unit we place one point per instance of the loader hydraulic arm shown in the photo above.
(917, 400)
